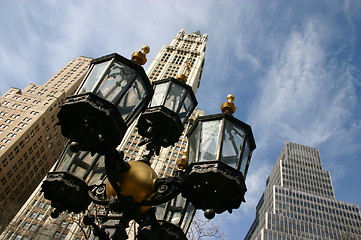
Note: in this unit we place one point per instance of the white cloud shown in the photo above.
(302, 98)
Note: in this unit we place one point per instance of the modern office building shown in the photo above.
(299, 201)
(30, 143)
(184, 55)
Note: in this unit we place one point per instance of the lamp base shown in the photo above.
(214, 185)
(66, 192)
(161, 126)
(94, 123)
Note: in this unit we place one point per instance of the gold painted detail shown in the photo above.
(139, 56)
(182, 77)
(228, 106)
(137, 182)
(182, 163)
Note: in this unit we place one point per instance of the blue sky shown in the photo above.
(294, 67)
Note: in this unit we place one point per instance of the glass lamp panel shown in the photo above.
(232, 144)
(65, 161)
(188, 217)
(97, 172)
(159, 94)
(193, 140)
(245, 157)
(114, 83)
(132, 99)
(187, 105)
(174, 97)
(94, 77)
(81, 164)
(208, 148)
(175, 210)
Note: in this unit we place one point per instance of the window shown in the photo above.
(26, 108)
(26, 225)
(32, 227)
(11, 135)
(5, 140)
(27, 119)
(9, 121)
(21, 124)
(56, 234)
(33, 215)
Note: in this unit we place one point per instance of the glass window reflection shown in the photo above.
(174, 97)
(114, 83)
(232, 143)
(209, 140)
(93, 78)
(132, 99)
(245, 159)
(186, 107)
(193, 144)
(159, 94)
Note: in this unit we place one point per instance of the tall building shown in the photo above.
(185, 54)
(299, 201)
(29, 141)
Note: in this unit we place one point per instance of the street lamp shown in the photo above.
(172, 103)
(113, 94)
(219, 152)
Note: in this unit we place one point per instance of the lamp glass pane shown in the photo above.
(175, 209)
(208, 148)
(174, 97)
(245, 158)
(95, 75)
(97, 172)
(114, 83)
(132, 99)
(80, 164)
(159, 94)
(232, 144)
(193, 144)
(65, 161)
(187, 105)
(188, 216)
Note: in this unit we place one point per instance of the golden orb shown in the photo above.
(145, 49)
(138, 182)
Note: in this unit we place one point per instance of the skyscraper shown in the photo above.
(299, 201)
(30, 142)
(184, 55)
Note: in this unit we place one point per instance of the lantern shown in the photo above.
(112, 95)
(66, 186)
(172, 103)
(219, 152)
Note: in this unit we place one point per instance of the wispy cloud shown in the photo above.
(302, 98)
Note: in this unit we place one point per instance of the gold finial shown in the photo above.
(139, 56)
(183, 77)
(228, 106)
(182, 163)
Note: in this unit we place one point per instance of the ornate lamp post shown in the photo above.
(113, 94)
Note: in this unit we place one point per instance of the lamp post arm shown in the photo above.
(114, 167)
(165, 190)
